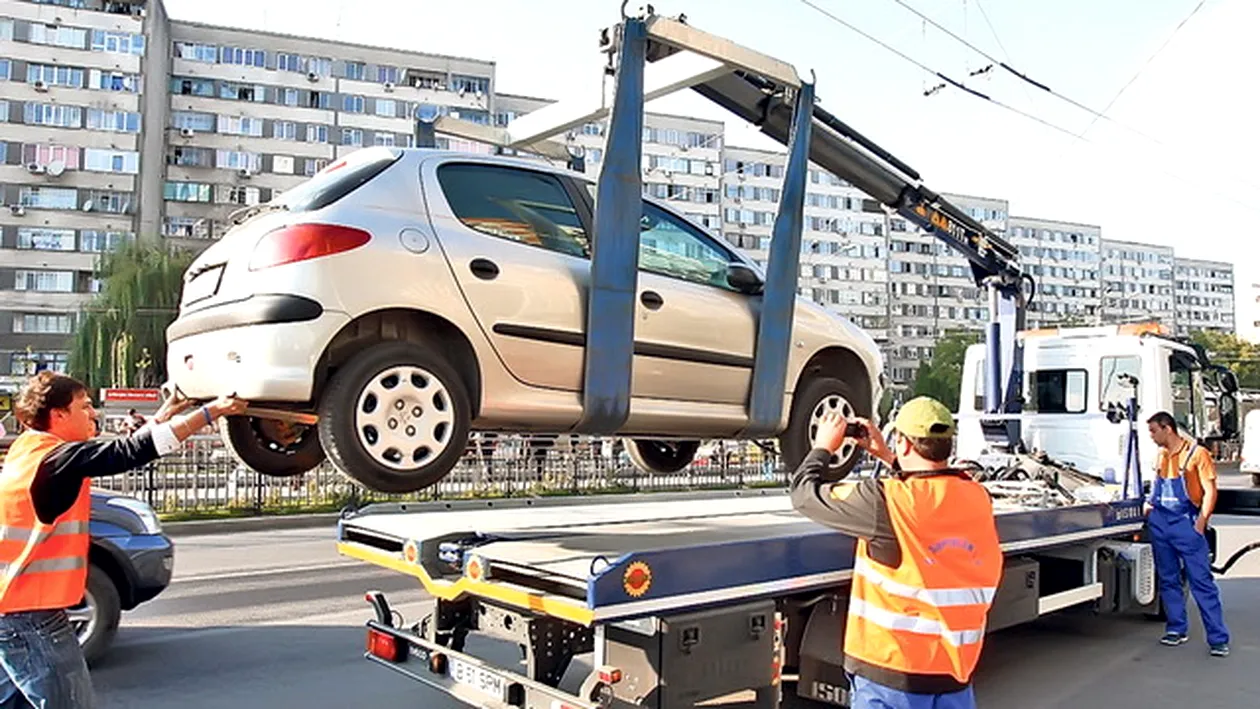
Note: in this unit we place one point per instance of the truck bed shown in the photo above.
(621, 557)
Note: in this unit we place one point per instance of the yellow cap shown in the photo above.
(925, 417)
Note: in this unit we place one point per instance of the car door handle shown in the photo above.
(651, 300)
(484, 269)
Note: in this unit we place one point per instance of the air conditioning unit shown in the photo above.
(35, 168)
(17, 210)
(40, 86)
(187, 132)
(683, 148)
(245, 173)
(389, 86)
(312, 76)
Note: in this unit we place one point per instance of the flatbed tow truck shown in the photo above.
(681, 599)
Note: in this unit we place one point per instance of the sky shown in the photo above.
(1169, 164)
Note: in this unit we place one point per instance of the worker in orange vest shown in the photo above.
(45, 506)
(928, 559)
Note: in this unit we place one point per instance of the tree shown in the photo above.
(941, 377)
(1226, 348)
(121, 338)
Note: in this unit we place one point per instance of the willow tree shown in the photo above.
(121, 338)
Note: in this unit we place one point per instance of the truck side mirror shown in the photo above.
(1229, 416)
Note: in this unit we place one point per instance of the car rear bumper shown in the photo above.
(234, 348)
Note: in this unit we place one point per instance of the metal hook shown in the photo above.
(624, 16)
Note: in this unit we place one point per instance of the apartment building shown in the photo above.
(1065, 260)
(1204, 295)
(1137, 282)
(71, 89)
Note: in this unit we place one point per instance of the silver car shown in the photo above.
(403, 298)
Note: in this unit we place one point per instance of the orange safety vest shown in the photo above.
(42, 566)
(919, 624)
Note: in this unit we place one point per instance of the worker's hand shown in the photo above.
(873, 442)
(227, 406)
(1200, 525)
(173, 406)
(830, 432)
(1146, 508)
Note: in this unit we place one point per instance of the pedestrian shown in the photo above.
(1177, 510)
(45, 505)
(927, 565)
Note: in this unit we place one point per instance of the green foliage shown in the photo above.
(121, 338)
(941, 377)
(1226, 348)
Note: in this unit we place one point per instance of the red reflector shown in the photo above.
(609, 675)
(385, 646)
(304, 241)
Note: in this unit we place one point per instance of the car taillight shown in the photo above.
(300, 242)
(385, 646)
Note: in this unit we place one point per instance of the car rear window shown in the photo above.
(339, 179)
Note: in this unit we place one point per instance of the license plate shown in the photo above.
(477, 678)
(203, 286)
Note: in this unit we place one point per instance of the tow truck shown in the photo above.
(674, 600)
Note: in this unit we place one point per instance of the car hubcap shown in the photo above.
(834, 403)
(404, 417)
(83, 617)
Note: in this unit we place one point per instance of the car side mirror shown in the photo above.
(744, 279)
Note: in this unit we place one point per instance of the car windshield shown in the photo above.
(338, 179)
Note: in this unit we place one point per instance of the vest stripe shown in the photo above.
(42, 566)
(22, 534)
(936, 597)
(913, 624)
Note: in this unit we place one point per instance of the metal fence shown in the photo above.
(203, 477)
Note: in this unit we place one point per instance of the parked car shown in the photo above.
(130, 563)
(406, 297)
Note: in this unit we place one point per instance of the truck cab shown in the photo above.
(1074, 378)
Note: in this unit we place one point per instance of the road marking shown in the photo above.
(268, 571)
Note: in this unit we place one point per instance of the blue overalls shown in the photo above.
(871, 695)
(1176, 543)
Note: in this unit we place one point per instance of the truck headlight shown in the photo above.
(148, 518)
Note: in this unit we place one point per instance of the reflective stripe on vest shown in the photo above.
(928, 615)
(42, 566)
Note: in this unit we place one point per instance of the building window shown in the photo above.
(187, 227)
(42, 239)
(355, 71)
(121, 161)
(31, 323)
(57, 36)
(108, 202)
(241, 92)
(470, 84)
(387, 107)
(387, 74)
(303, 65)
(240, 125)
(192, 87)
(351, 136)
(229, 194)
(208, 53)
(316, 134)
(288, 97)
(189, 157)
(238, 160)
(113, 81)
(48, 197)
(242, 57)
(6, 30)
(48, 114)
(54, 75)
(284, 130)
(186, 192)
(313, 165)
(44, 281)
(96, 241)
(352, 104)
(23, 364)
(46, 154)
(282, 164)
(385, 139)
(117, 121)
(118, 42)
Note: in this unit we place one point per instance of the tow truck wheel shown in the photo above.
(655, 456)
(272, 447)
(819, 396)
(395, 418)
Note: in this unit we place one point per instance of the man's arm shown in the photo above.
(1205, 468)
(857, 509)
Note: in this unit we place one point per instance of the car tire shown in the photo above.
(247, 438)
(95, 621)
(816, 396)
(662, 457)
(433, 421)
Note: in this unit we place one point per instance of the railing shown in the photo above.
(203, 477)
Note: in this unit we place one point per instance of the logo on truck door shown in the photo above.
(637, 579)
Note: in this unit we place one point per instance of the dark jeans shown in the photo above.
(42, 662)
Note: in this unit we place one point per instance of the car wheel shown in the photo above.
(95, 620)
(396, 418)
(653, 456)
(819, 396)
(272, 447)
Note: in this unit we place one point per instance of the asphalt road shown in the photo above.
(274, 619)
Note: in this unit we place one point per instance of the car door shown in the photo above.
(695, 334)
(518, 247)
